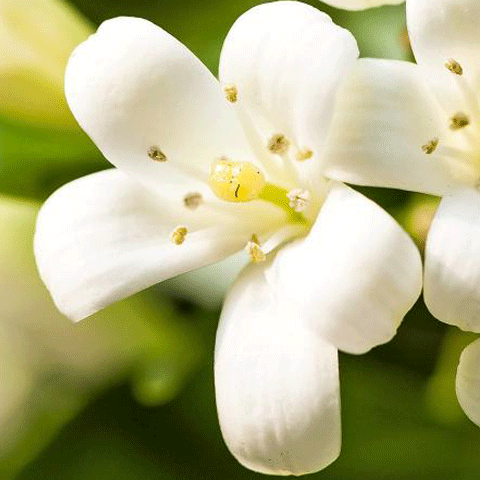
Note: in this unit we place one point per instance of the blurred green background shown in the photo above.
(401, 419)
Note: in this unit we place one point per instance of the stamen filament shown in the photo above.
(282, 235)
(452, 152)
(471, 98)
(258, 147)
(456, 159)
(290, 169)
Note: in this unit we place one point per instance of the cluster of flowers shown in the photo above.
(255, 160)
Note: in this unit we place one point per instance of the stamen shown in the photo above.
(454, 66)
(431, 146)
(304, 154)
(278, 144)
(193, 200)
(156, 154)
(459, 120)
(231, 93)
(235, 181)
(254, 250)
(299, 199)
(179, 234)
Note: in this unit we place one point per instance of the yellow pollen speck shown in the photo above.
(303, 155)
(254, 250)
(179, 234)
(193, 200)
(459, 121)
(156, 154)
(454, 66)
(431, 146)
(231, 93)
(278, 144)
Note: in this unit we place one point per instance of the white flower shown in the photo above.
(417, 127)
(339, 274)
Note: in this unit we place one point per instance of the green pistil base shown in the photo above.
(278, 196)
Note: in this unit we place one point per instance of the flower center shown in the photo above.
(235, 181)
(243, 182)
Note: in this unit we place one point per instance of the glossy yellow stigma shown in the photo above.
(235, 181)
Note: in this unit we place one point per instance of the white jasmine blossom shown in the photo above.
(421, 132)
(338, 273)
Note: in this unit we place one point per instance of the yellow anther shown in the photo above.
(193, 200)
(454, 66)
(231, 93)
(298, 199)
(156, 154)
(254, 250)
(459, 120)
(235, 181)
(278, 144)
(303, 155)
(431, 146)
(179, 234)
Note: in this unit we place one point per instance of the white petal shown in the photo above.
(287, 60)
(360, 4)
(208, 285)
(468, 381)
(385, 114)
(354, 277)
(102, 238)
(276, 384)
(444, 29)
(452, 261)
(132, 86)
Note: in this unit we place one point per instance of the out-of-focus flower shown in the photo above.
(468, 381)
(220, 169)
(41, 145)
(441, 399)
(49, 368)
(37, 37)
(360, 4)
(421, 132)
